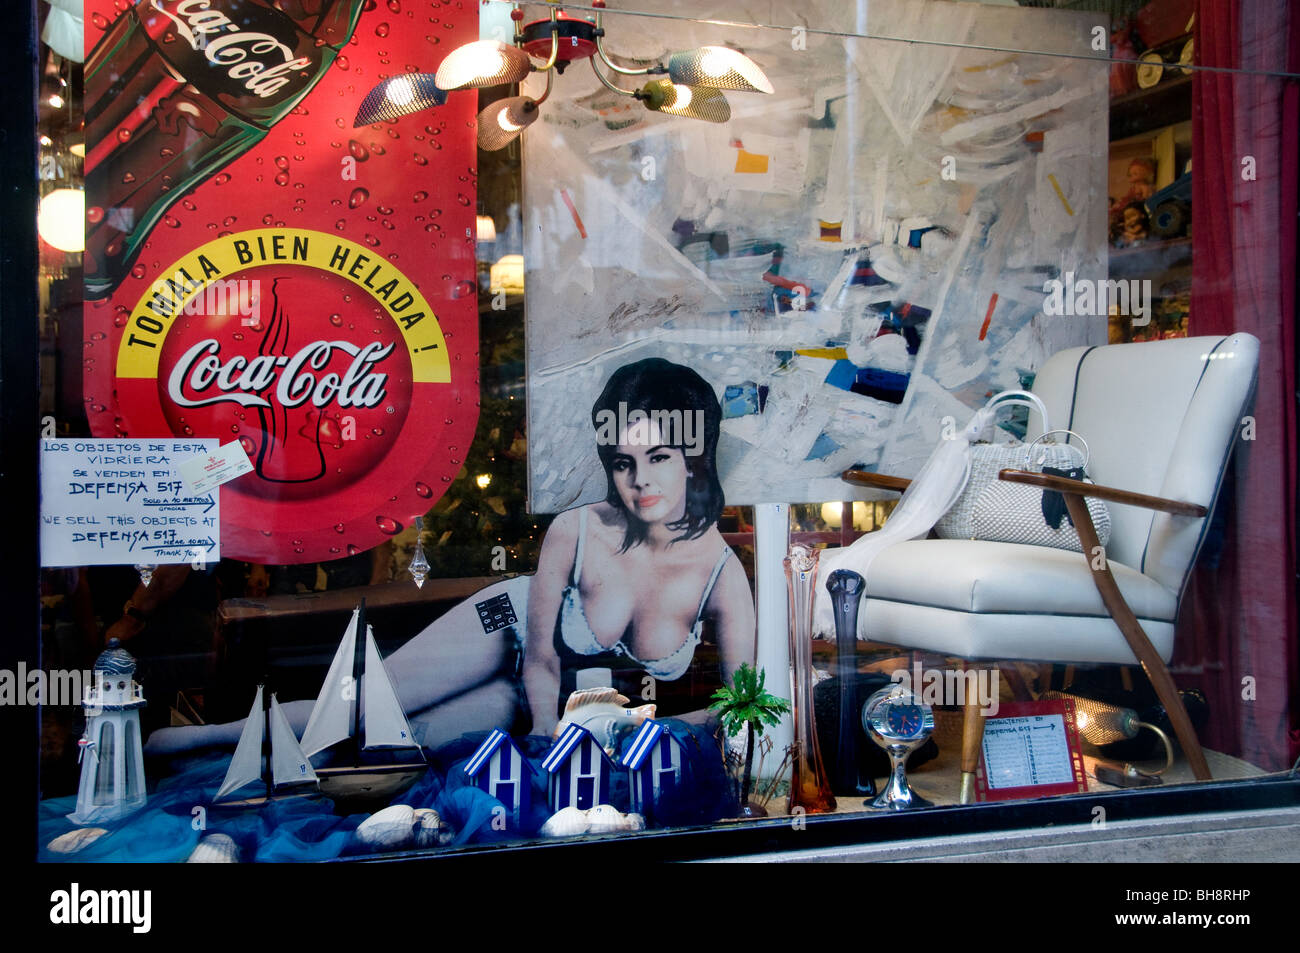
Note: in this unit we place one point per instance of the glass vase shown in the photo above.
(809, 788)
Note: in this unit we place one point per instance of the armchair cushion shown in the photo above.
(980, 599)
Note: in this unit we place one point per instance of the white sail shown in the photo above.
(288, 764)
(385, 722)
(246, 765)
(331, 718)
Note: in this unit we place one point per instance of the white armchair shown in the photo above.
(1161, 419)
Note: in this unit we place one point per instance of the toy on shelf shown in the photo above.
(745, 704)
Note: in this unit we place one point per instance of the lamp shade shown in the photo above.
(400, 96)
(503, 120)
(61, 220)
(678, 99)
(483, 63)
(719, 68)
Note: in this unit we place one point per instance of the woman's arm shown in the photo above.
(541, 664)
(731, 607)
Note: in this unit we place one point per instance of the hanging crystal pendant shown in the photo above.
(419, 566)
(146, 574)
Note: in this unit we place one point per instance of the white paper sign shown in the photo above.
(1021, 752)
(207, 471)
(122, 502)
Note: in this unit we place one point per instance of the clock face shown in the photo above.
(904, 721)
(897, 716)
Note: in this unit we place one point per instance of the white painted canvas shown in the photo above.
(962, 177)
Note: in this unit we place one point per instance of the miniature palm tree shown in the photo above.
(744, 704)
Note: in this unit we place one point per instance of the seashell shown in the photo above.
(74, 841)
(607, 819)
(215, 849)
(390, 829)
(565, 823)
(428, 827)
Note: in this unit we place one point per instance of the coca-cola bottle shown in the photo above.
(290, 450)
(177, 89)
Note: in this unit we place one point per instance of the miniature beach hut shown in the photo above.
(500, 769)
(578, 770)
(654, 764)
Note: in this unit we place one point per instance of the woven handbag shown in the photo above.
(1003, 512)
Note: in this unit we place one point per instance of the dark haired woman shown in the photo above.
(627, 589)
(638, 592)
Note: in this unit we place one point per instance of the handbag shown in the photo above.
(999, 511)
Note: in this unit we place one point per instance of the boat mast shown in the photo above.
(267, 774)
(358, 671)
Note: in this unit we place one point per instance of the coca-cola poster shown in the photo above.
(258, 270)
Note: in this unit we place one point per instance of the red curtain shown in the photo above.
(1237, 630)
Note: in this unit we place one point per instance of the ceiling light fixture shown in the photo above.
(692, 88)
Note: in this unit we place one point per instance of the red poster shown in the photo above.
(259, 270)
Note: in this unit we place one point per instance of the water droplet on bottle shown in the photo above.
(123, 135)
(358, 197)
(238, 337)
(94, 214)
(267, 219)
(336, 320)
(381, 30)
(99, 20)
(395, 6)
(423, 490)
(359, 152)
(388, 525)
(137, 271)
(166, 153)
(341, 224)
(419, 159)
(221, 179)
(282, 162)
(341, 62)
(282, 178)
(189, 205)
(228, 220)
(371, 240)
(388, 225)
(127, 178)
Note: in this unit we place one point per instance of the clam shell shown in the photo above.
(390, 829)
(74, 841)
(215, 849)
(607, 819)
(428, 826)
(565, 823)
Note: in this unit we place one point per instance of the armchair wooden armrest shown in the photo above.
(880, 481)
(1110, 494)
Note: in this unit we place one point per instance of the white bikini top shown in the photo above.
(577, 635)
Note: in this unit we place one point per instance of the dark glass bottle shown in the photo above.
(175, 91)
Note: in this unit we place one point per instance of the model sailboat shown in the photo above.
(372, 718)
(385, 755)
(267, 750)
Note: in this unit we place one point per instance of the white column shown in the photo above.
(771, 543)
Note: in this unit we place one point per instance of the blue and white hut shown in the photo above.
(654, 764)
(579, 770)
(500, 769)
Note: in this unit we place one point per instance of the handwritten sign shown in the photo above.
(1030, 750)
(122, 502)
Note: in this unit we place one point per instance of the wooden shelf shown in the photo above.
(1150, 259)
(1142, 110)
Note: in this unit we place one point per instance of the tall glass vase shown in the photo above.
(809, 787)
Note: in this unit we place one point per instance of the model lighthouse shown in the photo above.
(112, 763)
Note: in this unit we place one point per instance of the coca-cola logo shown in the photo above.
(200, 378)
(255, 59)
